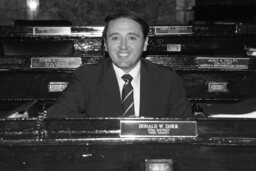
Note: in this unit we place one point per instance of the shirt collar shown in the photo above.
(135, 72)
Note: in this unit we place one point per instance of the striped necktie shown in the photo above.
(127, 96)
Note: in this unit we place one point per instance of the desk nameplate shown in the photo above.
(172, 30)
(222, 63)
(57, 86)
(217, 87)
(51, 30)
(159, 128)
(56, 62)
(173, 47)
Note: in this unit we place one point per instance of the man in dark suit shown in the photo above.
(101, 90)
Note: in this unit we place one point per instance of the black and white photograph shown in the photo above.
(127, 85)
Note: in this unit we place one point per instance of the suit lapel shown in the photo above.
(109, 91)
(147, 93)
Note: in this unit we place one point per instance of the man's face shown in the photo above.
(125, 43)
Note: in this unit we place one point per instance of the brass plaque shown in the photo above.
(57, 86)
(173, 47)
(95, 31)
(217, 86)
(223, 63)
(158, 128)
(51, 30)
(56, 62)
(170, 30)
(158, 165)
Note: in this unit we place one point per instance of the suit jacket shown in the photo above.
(94, 92)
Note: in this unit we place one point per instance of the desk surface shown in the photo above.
(95, 144)
(107, 130)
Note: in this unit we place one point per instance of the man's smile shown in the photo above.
(123, 54)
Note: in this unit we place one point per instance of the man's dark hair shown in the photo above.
(126, 14)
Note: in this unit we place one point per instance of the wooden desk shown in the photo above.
(95, 144)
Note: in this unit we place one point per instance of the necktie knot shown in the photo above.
(127, 77)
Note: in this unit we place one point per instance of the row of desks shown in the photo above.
(96, 144)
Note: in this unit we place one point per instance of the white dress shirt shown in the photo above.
(135, 73)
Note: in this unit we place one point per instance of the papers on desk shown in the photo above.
(22, 111)
(243, 109)
(245, 115)
(250, 51)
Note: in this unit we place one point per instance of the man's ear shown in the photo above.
(105, 45)
(145, 44)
